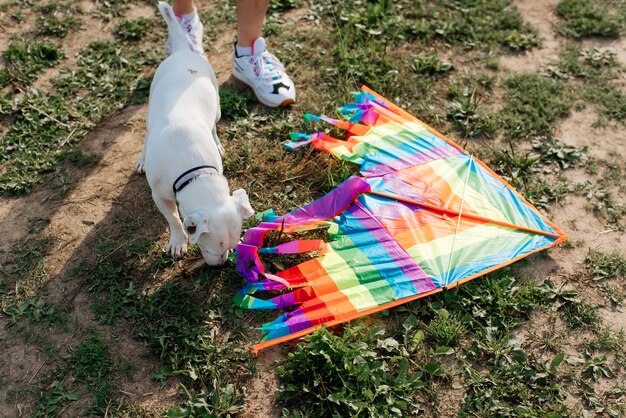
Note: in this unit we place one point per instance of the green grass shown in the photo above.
(508, 383)
(132, 29)
(533, 106)
(188, 325)
(606, 265)
(26, 60)
(431, 65)
(52, 400)
(233, 102)
(593, 75)
(600, 193)
(481, 24)
(90, 363)
(46, 126)
(446, 329)
(469, 119)
(37, 310)
(588, 18)
(25, 273)
(522, 172)
(57, 27)
(343, 373)
(360, 373)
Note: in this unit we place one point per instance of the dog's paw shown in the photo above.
(177, 249)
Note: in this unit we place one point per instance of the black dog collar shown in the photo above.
(189, 175)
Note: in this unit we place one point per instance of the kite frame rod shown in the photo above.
(466, 216)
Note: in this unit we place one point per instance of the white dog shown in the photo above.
(182, 154)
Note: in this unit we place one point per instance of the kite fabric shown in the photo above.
(425, 216)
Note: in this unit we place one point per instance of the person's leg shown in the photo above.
(250, 16)
(255, 66)
(185, 11)
(183, 7)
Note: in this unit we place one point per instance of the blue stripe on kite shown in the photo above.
(378, 254)
(526, 216)
(462, 271)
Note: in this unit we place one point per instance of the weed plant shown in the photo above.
(606, 265)
(132, 29)
(359, 373)
(446, 329)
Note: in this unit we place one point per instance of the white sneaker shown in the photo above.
(194, 30)
(266, 75)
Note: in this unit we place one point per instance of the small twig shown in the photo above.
(282, 227)
(113, 251)
(75, 201)
(48, 116)
(33, 376)
(67, 138)
(193, 266)
(63, 410)
(607, 231)
(293, 178)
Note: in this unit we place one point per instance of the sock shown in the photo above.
(188, 17)
(243, 51)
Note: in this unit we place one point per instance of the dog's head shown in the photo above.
(217, 230)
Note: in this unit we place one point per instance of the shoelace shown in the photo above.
(270, 69)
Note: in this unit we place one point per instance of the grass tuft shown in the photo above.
(445, 328)
(533, 106)
(25, 61)
(588, 18)
(132, 29)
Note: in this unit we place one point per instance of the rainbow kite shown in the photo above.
(425, 216)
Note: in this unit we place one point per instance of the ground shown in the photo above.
(96, 320)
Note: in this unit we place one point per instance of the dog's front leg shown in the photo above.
(177, 245)
(140, 165)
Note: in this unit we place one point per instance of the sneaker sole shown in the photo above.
(284, 103)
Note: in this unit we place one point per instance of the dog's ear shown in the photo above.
(243, 204)
(195, 225)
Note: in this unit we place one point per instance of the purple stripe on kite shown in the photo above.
(330, 205)
(403, 260)
(271, 284)
(248, 263)
(385, 162)
(285, 300)
(286, 324)
(297, 320)
(254, 236)
(368, 117)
